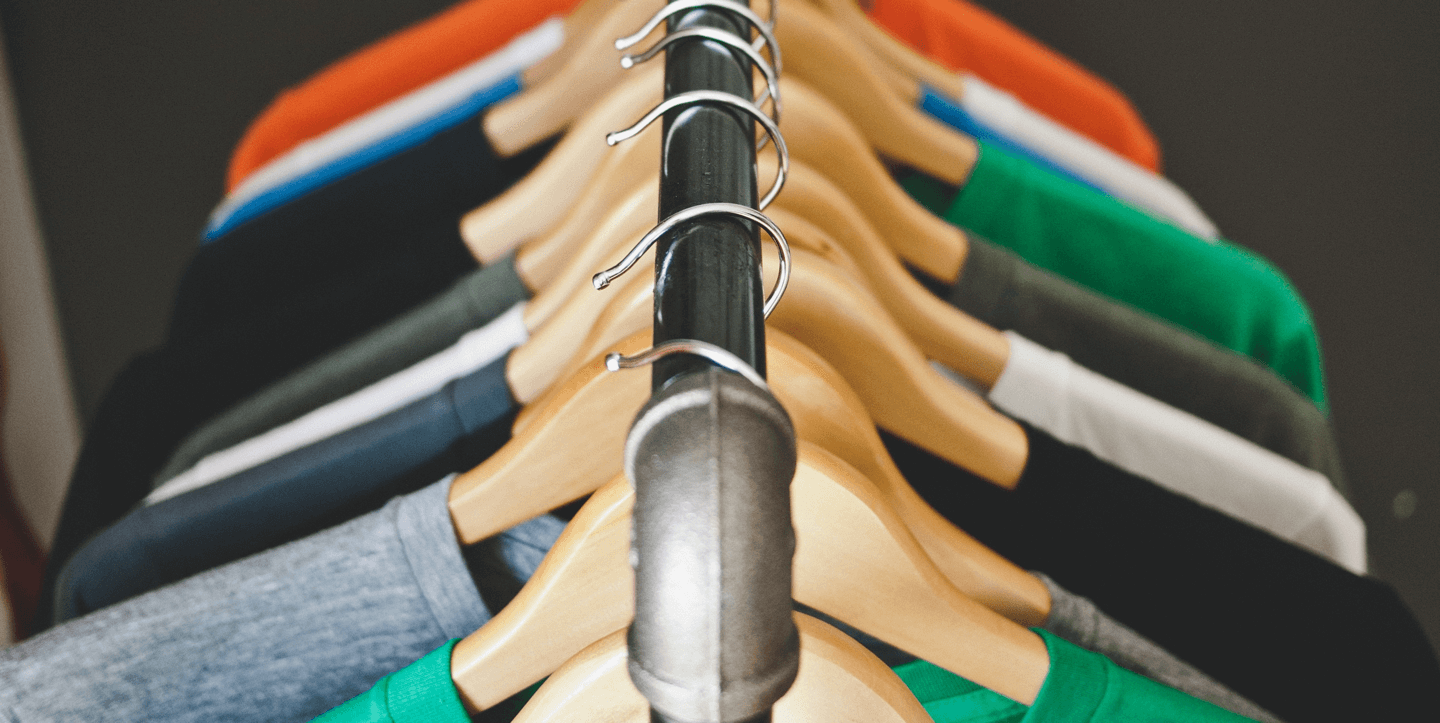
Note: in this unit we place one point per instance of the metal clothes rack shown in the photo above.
(712, 454)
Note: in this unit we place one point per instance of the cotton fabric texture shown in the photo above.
(1144, 353)
(386, 130)
(469, 304)
(292, 496)
(473, 351)
(1178, 451)
(1169, 568)
(383, 71)
(356, 254)
(1217, 290)
(965, 37)
(281, 636)
(990, 113)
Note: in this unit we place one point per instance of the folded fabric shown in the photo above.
(1178, 451)
(1217, 290)
(383, 71)
(355, 254)
(966, 37)
(293, 495)
(386, 130)
(1145, 353)
(470, 303)
(1225, 597)
(282, 636)
(1000, 118)
(473, 351)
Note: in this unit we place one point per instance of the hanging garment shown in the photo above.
(1170, 569)
(389, 129)
(1082, 686)
(1178, 451)
(1144, 353)
(1219, 291)
(471, 353)
(470, 303)
(291, 496)
(999, 118)
(307, 594)
(381, 72)
(280, 636)
(357, 253)
(965, 37)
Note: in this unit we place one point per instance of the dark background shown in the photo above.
(1307, 130)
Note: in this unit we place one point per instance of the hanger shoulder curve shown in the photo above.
(538, 201)
(591, 67)
(839, 680)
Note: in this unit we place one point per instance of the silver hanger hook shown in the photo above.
(694, 97)
(603, 279)
(767, 34)
(615, 361)
(728, 39)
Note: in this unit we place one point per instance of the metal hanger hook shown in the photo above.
(766, 29)
(604, 278)
(695, 97)
(728, 39)
(615, 361)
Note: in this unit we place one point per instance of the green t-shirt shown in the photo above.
(1082, 687)
(1217, 290)
(421, 692)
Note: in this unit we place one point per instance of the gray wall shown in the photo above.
(1306, 129)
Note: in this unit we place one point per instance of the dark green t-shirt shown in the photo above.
(1082, 687)
(1217, 290)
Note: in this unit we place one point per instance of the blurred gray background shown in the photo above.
(1307, 130)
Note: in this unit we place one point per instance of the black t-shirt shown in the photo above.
(273, 294)
(1281, 626)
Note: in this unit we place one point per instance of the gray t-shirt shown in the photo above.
(1146, 354)
(470, 303)
(283, 635)
(292, 632)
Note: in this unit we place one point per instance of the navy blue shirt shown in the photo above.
(292, 496)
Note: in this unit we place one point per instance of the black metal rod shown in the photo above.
(707, 272)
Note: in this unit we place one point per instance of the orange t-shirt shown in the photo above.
(953, 32)
(383, 71)
(962, 36)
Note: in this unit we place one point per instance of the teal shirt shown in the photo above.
(1082, 687)
(1217, 290)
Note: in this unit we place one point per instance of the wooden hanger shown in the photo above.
(501, 492)
(848, 15)
(839, 680)
(538, 201)
(847, 538)
(536, 364)
(591, 67)
(818, 52)
(816, 133)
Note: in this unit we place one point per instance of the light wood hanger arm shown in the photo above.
(894, 53)
(539, 200)
(839, 680)
(846, 535)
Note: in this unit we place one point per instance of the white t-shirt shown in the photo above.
(1178, 451)
(473, 351)
(394, 117)
(1112, 173)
